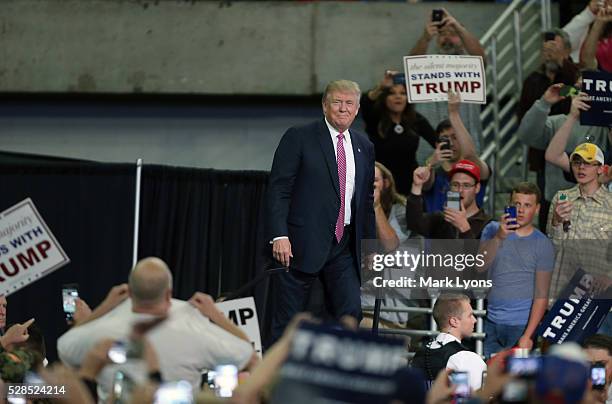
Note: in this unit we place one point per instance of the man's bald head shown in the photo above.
(150, 282)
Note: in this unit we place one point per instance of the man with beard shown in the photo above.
(452, 38)
(557, 68)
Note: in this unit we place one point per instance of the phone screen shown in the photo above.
(118, 352)
(523, 367)
(226, 380)
(461, 381)
(598, 376)
(453, 200)
(515, 391)
(69, 296)
(174, 393)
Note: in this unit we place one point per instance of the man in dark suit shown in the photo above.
(320, 207)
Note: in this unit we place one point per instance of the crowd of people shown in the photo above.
(330, 188)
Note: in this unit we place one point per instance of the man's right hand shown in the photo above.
(431, 30)
(505, 228)
(562, 212)
(552, 95)
(440, 155)
(281, 250)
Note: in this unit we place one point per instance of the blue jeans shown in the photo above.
(500, 336)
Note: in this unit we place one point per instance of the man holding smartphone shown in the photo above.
(464, 223)
(520, 260)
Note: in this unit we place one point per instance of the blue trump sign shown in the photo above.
(577, 314)
(598, 85)
(340, 366)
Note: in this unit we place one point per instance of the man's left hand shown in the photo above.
(450, 21)
(525, 342)
(205, 304)
(457, 218)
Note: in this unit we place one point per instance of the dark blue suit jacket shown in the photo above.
(303, 197)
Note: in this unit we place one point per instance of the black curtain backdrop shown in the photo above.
(206, 224)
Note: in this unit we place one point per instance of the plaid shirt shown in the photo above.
(588, 244)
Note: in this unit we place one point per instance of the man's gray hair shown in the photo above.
(343, 86)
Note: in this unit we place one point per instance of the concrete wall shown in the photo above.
(241, 137)
(177, 46)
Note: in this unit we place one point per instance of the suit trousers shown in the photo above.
(340, 281)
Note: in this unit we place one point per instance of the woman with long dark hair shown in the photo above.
(395, 128)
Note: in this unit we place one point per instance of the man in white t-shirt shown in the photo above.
(194, 336)
(455, 318)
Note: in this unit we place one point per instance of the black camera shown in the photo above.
(437, 15)
(445, 143)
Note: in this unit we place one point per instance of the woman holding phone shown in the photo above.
(395, 128)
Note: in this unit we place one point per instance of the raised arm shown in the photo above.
(431, 30)
(463, 137)
(387, 237)
(579, 25)
(470, 42)
(417, 220)
(588, 54)
(555, 152)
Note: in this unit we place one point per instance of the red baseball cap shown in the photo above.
(465, 166)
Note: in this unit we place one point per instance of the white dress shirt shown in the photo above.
(350, 168)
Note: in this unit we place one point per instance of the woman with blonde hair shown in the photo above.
(391, 232)
(389, 209)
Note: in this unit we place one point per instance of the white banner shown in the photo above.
(243, 313)
(429, 77)
(28, 249)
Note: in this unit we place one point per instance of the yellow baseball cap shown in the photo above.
(589, 152)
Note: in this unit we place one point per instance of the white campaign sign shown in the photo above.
(28, 249)
(429, 77)
(243, 313)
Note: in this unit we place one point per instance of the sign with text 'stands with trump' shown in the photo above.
(430, 77)
(28, 249)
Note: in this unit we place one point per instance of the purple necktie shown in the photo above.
(342, 182)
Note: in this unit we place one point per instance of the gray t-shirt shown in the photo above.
(513, 274)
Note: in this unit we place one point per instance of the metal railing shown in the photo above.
(512, 47)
